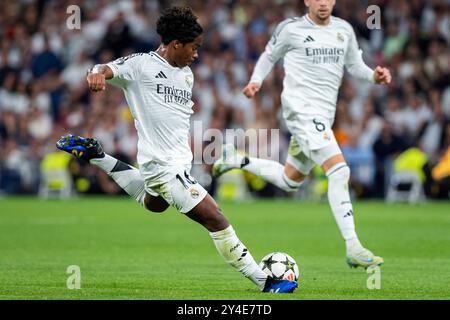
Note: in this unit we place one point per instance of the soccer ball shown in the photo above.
(280, 266)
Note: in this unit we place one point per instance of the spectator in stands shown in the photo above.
(43, 63)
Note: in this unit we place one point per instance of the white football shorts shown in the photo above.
(174, 184)
(312, 141)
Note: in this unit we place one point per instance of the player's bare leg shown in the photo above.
(209, 215)
(232, 250)
(155, 204)
(289, 178)
(293, 174)
(338, 174)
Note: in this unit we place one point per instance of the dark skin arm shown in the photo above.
(97, 81)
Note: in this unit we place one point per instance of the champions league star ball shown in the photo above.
(280, 266)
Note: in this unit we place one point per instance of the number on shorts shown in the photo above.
(189, 180)
(319, 125)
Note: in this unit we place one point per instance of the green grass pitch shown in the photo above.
(126, 253)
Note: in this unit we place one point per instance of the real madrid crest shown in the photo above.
(194, 193)
(340, 37)
(189, 80)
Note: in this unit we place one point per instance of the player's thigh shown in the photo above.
(328, 156)
(298, 164)
(155, 203)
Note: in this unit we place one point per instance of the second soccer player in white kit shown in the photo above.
(316, 48)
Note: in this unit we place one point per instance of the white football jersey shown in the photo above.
(159, 96)
(314, 61)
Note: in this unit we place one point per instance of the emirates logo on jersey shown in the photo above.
(174, 95)
(323, 55)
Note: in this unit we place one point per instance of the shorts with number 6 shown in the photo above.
(174, 184)
(312, 141)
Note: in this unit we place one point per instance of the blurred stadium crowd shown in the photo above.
(43, 94)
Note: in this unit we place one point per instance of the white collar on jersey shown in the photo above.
(160, 58)
(317, 25)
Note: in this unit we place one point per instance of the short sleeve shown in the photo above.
(125, 69)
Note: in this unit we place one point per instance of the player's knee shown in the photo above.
(291, 185)
(292, 170)
(216, 220)
(340, 172)
(209, 215)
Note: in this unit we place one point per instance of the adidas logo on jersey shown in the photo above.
(161, 75)
(309, 39)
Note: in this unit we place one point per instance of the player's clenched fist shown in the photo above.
(96, 81)
(382, 75)
(251, 89)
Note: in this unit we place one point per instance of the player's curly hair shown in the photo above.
(178, 23)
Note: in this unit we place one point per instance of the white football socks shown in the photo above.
(340, 203)
(237, 255)
(271, 171)
(126, 176)
(107, 163)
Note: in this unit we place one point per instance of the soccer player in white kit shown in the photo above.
(158, 88)
(315, 48)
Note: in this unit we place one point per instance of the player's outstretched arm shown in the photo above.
(97, 77)
(382, 75)
(262, 68)
(277, 47)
